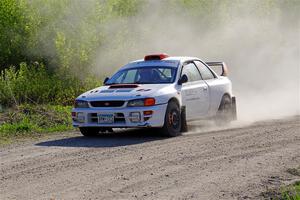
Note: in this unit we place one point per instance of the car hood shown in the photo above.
(124, 92)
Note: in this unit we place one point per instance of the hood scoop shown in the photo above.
(107, 91)
(123, 86)
(124, 90)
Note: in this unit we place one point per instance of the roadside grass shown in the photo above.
(290, 192)
(27, 121)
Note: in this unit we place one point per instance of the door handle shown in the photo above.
(205, 88)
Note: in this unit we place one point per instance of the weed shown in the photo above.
(28, 120)
(290, 192)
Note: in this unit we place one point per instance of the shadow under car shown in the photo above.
(115, 139)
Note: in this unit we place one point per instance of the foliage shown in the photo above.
(15, 28)
(290, 192)
(34, 84)
(67, 34)
(64, 34)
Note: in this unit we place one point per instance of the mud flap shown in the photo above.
(233, 108)
(184, 127)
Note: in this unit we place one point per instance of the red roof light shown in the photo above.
(156, 56)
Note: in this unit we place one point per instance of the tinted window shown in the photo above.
(192, 72)
(204, 71)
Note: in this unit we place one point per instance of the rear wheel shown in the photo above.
(172, 124)
(184, 126)
(224, 114)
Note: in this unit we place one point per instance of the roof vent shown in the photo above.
(156, 56)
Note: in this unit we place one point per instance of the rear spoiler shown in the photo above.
(219, 67)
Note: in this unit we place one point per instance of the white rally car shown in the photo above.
(159, 91)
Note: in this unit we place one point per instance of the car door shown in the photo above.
(195, 95)
(214, 84)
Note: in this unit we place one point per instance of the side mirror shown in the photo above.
(183, 79)
(105, 80)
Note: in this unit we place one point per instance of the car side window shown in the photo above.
(204, 71)
(191, 71)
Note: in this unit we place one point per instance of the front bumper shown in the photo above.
(88, 117)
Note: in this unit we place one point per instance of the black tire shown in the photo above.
(172, 123)
(89, 131)
(106, 129)
(233, 108)
(224, 114)
(184, 126)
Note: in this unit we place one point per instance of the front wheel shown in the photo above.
(172, 123)
(94, 131)
(89, 131)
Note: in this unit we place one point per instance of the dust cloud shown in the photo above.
(259, 42)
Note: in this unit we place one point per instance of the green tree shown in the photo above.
(16, 26)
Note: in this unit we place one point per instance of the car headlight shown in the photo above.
(141, 102)
(81, 104)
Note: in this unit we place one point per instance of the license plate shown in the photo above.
(105, 118)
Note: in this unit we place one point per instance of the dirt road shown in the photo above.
(236, 163)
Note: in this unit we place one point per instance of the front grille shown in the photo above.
(107, 103)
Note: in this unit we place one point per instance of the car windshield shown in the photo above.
(143, 75)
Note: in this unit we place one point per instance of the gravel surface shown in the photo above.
(235, 163)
